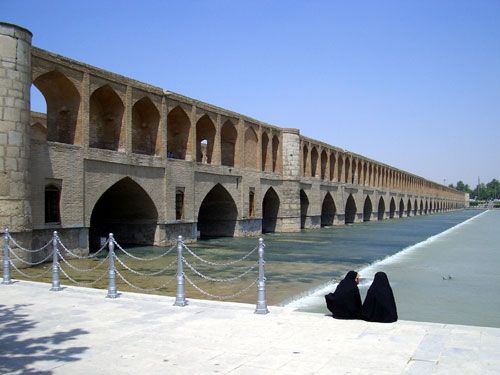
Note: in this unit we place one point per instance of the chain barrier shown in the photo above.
(156, 273)
(215, 279)
(220, 297)
(144, 289)
(19, 259)
(83, 270)
(73, 254)
(32, 277)
(82, 283)
(58, 259)
(219, 264)
(16, 245)
(144, 259)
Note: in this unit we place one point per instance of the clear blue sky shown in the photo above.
(414, 84)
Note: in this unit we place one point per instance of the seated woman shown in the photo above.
(379, 305)
(345, 302)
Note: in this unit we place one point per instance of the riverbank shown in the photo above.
(79, 331)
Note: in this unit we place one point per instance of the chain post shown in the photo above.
(6, 261)
(112, 293)
(180, 295)
(56, 281)
(261, 307)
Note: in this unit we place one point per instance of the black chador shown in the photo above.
(379, 305)
(345, 302)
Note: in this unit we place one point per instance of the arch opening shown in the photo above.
(408, 208)
(106, 117)
(270, 210)
(145, 122)
(205, 138)
(264, 158)
(367, 209)
(178, 130)
(324, 160)
(381, 209)
(314, 161)
(251, 141)
(228, 136)
(217, 215)
(275, 152)
(392, 208)
(328, 211)
(304, 208)
(127, 211)
(350, 210)
(63, 105)
(401, 208)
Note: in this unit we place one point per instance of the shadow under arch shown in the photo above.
(217, 215)
(304, 208)
(392, 208)
(350, 210)
(270, 209)
(367, 209)
(328, 211)
(381, 209)
(127, 211)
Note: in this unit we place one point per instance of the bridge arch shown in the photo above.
(276, 165)
(126, 210)
(367, 209)
(381, 208)
(401, 207)
(106, 119)
(217, 214)
(350, 210)
(328, 210)
(205, 139)
(178, 133)
(251, 142)
(415, 208)
(426, 207)
(408, 208)
(145, 126)
(229, 136)
(324, 160)
(421, 208)
(314, 161)
(270, 211)
(265, 156)
(63, 105)
(304, 208)
(392, 208)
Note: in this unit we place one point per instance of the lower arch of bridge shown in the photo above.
(401, 207)
(381, 209)
(270, 209)
(304, 208)
(218, 213)
(415, 208)
(328, 211)
(127, 211)
(421, 209)
(350, 210)
(367, 209)
(408, 208)
(426, 209)
(392, 208)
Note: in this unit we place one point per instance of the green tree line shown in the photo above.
(482, 191)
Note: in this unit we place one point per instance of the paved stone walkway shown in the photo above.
(79, 331)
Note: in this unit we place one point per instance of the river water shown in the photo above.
(442, 267)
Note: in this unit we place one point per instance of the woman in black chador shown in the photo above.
(379, 305)
(345, 302)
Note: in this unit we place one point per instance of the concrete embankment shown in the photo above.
(79, 331)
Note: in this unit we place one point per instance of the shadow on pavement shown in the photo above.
(20, 350)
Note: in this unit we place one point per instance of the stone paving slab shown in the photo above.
(79, 331)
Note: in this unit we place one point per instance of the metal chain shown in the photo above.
(145, 259)
(82, 283)
(82, 269)
(144, 289)
(214, 279)
(220, 297)
(146, 274)
(219, 264)
(70, 252)
(28, 250)
(30, 263)
(37, 276)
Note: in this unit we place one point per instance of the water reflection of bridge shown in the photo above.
(114, 154)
